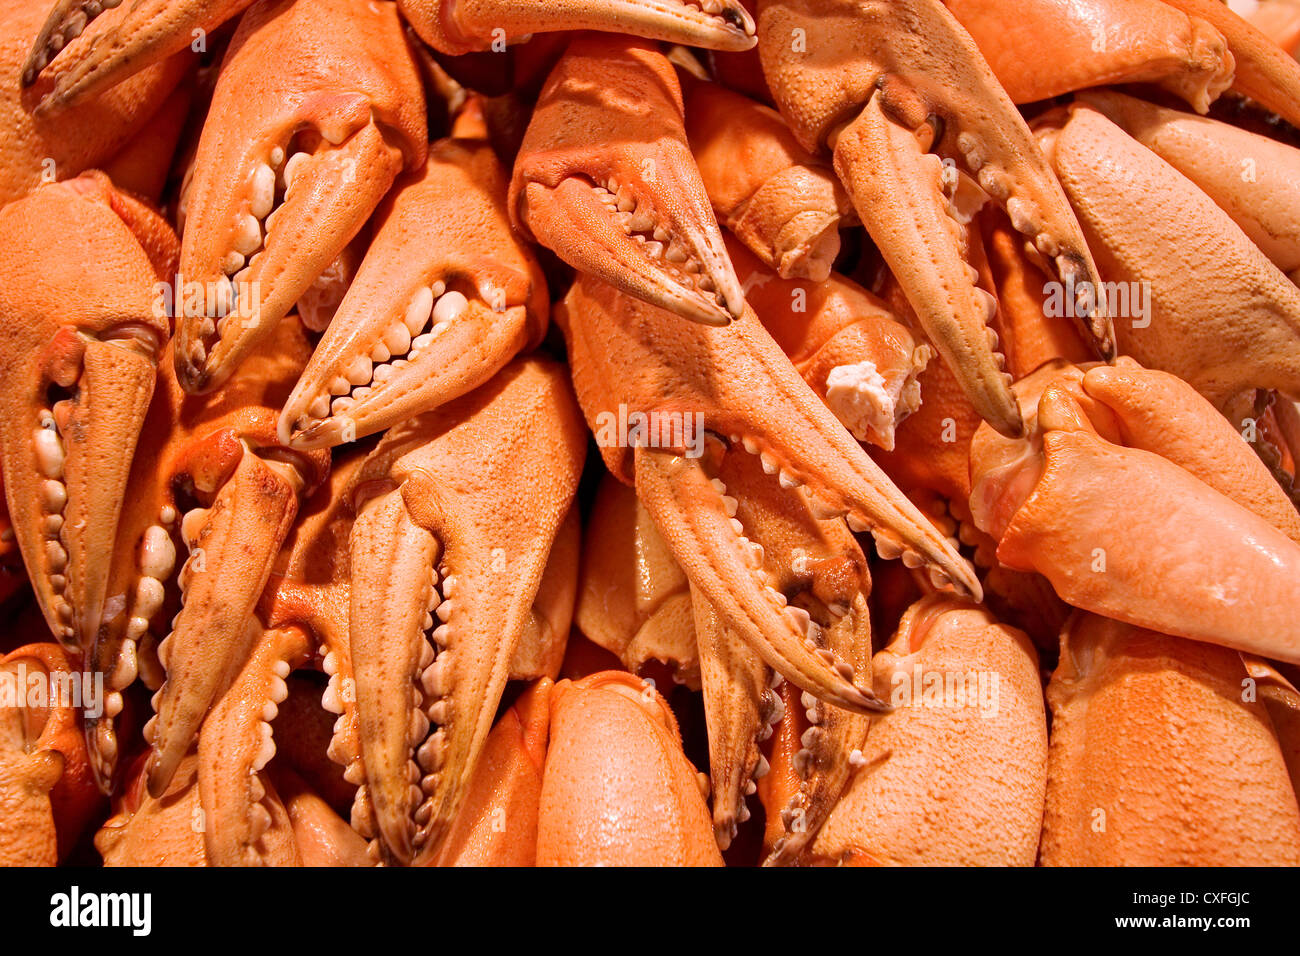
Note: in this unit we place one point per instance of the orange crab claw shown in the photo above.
(778, 199)
(40, 148)
(1178, 513)
(497, 825)
(1262, 196)
(456, 27)
(969, 724)
(169, 830)
(1264, 71)
(608, 182)
(122, 44)
(647, 807)
(651, 400)
(235, 746)
(418, 329)
(892, 94)
(81, 336)
(1095, 43)
(317, 109)
(1138, 717)
(208, 475)
(446, 528)
(1178, 277)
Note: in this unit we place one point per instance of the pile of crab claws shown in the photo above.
(81, 346)
(624, 353)
(609, 184)
(899, 122)
(442, 531)
(289, 169)
(458, 27)
(418, 329)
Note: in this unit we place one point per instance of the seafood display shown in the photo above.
(649, 432)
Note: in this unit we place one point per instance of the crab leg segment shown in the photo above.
(441, 499)
(80, 336)
(605, 178)
(779, 200)
(882, 85)
(445, 297)
(291, 164)
(456, 27)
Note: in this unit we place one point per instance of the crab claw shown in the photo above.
(207, 475)
(1053, 48)
(145, 33)
(445, 297)
(1155, 476)
(1139, 717)
(235, 746)
(80, 337)
(1265, 204)
(883, 91)
(1265, 72)
(650, 397)
(291, 163)
(969, 720)
(609, 184)
(1181, 306)
(456, 27)
(446, 527)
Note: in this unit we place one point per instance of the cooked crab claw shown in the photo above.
(207, 476)
(983, 736)
(445, 297)
(1265, 73)
(456, 27)
(317, 109)
(653, 388)
(1097, 43)
(901, 99)
(457, 511)
(235, 746)
(607, 181)
(1155, 477)
(145, 33)
(1180, 308)
(1265, 204)
(818, 567)
(80, 338)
